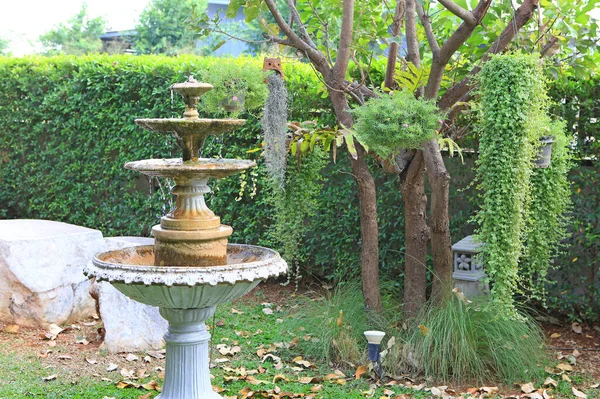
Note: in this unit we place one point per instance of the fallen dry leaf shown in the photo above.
(91, 361)
(65, 357)
(50, 377)
(131, 357)
(527, 388)
(550, 381)
(564, 367)
(11, 328)
(576, 327)
(153, 386)
(112, 367)
(309, 380)
(360, 371)
(555, 335)
(578, 393)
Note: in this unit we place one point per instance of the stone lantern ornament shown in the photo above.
(469, 276)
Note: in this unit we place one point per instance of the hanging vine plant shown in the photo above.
(546, 224)
(513, 116)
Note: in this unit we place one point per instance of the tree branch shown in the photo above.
(296, 41)
(426, 21)
(301, 26)
(460, 12)
(464, 31)
(343, 53)
(412, 40)
(393, 47)
(462, 88)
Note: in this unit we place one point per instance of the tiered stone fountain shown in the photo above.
(191, 268)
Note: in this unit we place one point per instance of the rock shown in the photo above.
(129, 326)
(41, 271)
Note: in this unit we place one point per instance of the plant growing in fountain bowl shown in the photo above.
(394, 121)
(236, 90)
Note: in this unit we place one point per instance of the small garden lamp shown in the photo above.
(374, 338)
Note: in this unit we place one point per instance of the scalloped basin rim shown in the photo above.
(136, 265)
(223, 164)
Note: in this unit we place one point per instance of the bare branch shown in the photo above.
(343, 53)
(393, 47)
(301, 26)
(460, 12)
(426, 22)
(522, 15)
(553, 40)
(464, 31)
(412, 40)
(296, 41)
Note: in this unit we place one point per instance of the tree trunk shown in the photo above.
(441, 247)
(367, 196)
(417, 236)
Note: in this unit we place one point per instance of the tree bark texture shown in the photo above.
(367, 196)
(415, 200)
(417, 237)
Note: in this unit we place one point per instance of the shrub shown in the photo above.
(396, 120)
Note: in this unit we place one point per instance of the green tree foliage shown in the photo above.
(78, 36)
(161, 28)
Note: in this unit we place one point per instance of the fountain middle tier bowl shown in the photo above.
(190, 126)
(178, 168)
(131, 271)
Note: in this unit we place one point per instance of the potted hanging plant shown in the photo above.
(394, 121)
(238, 88)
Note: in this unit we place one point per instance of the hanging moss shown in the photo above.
(274, 126)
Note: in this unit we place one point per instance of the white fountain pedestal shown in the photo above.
(186, 297)
(187, 373)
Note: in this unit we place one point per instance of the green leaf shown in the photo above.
(251, 13)
(233, 8)
(349, 139)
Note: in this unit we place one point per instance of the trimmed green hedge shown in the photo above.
(66, 129)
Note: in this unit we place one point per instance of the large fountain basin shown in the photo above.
(131, 271)
(178, 168)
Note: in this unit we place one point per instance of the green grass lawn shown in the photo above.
(253, 353)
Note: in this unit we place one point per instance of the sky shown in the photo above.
(23, 21)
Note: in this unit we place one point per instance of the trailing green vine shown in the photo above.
(295, 204)
(547, 219)
(513, 107)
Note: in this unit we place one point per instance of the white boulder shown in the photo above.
(41, 271)
(129, 326)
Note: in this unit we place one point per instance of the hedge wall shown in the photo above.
(66, 129)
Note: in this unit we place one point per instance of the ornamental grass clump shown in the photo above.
(394, 121)
(463, 342)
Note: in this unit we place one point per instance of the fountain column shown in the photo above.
(187, 373)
